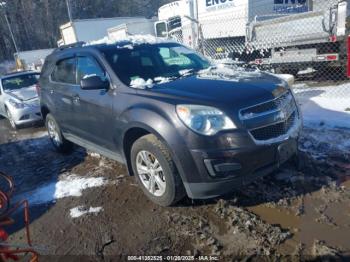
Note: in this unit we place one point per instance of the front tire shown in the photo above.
(55, 134)
(155, 171)
(11, 120)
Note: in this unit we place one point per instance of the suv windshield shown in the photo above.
(18, 82)
(159, 62)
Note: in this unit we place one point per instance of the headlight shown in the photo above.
(204, 120)
(16, 104)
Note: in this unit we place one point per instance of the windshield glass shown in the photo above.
(157, 63)
(18, 82)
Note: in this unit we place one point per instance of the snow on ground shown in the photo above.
(70, 186)
(324, 106)
(324, 141)
(81, 210)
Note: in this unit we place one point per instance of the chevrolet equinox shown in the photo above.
(180, 124)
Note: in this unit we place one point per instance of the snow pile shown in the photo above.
(69, 186)
(324, 106)
(323, 141)
(81, 210)
(74, 185)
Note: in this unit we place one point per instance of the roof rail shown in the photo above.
(63, 47)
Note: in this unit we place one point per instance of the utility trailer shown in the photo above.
(87, 30)
(145, 27)
(290, 43)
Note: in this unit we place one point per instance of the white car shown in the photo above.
(19, 100)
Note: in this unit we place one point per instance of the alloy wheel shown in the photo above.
(10, 118)
(150, 173)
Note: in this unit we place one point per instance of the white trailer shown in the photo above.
(291, 43)
(31, 60)
(87, 30)
(145, 27)
(219, 25)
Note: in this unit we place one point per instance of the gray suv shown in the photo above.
(180, 124)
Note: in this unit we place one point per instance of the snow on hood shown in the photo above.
(24, 94)
(227, 73)
(141, 83)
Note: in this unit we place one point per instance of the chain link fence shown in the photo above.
(306, 39)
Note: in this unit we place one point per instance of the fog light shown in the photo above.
(220, 168)
(24, 117)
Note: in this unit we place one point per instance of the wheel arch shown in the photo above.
(44, 111)
(138, 130)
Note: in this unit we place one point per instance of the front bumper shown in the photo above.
(228, 170)
(26, 115)
(219, 169)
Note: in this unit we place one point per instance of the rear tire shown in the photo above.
(155, 171)
(55, 134)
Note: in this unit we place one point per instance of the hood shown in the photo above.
(234, 88)
(24, 94)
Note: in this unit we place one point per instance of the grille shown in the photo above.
(275, 130)
(285, 114)
(265, 107)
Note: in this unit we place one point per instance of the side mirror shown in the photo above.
(94, 83)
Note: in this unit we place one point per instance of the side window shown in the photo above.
(161, 29)
(65, 71)
(88, 66)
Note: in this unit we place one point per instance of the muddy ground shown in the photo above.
(291, 213)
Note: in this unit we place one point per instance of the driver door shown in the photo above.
(93, 108)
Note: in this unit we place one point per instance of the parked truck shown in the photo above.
(316, 39)
(87, 30)
(145, 27)
(286, 35)
(219, 25)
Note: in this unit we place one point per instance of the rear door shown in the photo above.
(93, 108)
(61, 90)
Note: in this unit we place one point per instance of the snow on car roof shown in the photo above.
(129, 41)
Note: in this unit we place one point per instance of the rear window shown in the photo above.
(18, 82)
(65, 71)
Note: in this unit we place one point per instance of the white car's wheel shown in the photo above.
(10, 119)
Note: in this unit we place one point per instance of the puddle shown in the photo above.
(286, 220)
